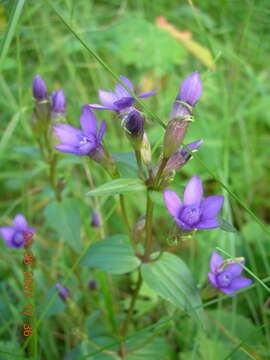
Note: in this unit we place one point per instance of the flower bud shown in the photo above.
(181, 115)
(63, 292)
(133, 124)
(39, 88)
(92, 285)
(146, 150)
(58, 104)
(190, 89)
(174, 135)
(95, 222)
(180, 158)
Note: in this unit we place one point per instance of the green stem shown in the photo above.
(124, 213)
(148, 227)
(139, 163)
(160, 170)
(132, 304)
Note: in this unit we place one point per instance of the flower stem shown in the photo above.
(131, 305)
(160, 170)
(139, 163)
(148, 227)
(124, 213)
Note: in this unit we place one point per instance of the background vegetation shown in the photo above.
(233, 120)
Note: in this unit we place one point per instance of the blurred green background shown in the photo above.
(228, 43)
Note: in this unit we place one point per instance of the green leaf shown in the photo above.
(126, 164)
(171, 279)
(224, 225)
(118, 186)
(64, 218)
(157, 348)
(113, 255)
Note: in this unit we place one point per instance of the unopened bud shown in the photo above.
(146, 150)
(92, 285)
(63, 292)
(58, 104)
(39, 88)
(95, 221)
(134, 126)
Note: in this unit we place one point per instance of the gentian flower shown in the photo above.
(120, 100)
(181, 114)
(133, 124)
(58, 103)
(63, 292)
(80, 142)
(190, 92)
(39, 88)
(180, 158)
(194, 213)
(14, 236)
(95, 222)
(226, 276)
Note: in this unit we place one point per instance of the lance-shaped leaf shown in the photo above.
(113, 255)
(118, 186)
(171, 279)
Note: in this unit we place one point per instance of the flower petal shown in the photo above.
(150, 93)
(193, 191)
(215, 261)
(101, 131)
(172, 202)
(20, 223)
(182, 225)
(207, 224)
(120, 91)
(7, 234)
(88, 121)
(66, 148)
(191, 89)
(234, 269)
(211, 206)
(107, 98)
(212, 279)
(101, 107)
(85, 148)
(240, 283)
(67, 134)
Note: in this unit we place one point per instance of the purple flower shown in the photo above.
(194, 213)
(181, 157)
(92, 285)
(120, 100)
(39, 88)
(63, 292)
(190, 91)
(226, 276)
(95, 222)
(80, 142)
(58, 102)
(14, 236)
(134, 124)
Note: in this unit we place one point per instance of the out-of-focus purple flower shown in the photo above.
(226, 276)
(120, 100)
(95, 222)
(80, 142)
(39, 88)
(14, 236)
(194, 213)
(58, 102)
(180, 158)
(92, 285)
(63, 292)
